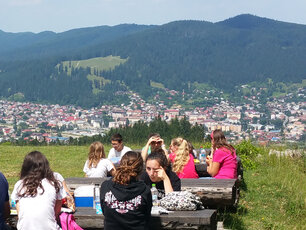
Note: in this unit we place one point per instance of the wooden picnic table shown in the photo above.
(199, 219)
(213, 192)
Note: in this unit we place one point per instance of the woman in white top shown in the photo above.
(97, 165)
(38, 194)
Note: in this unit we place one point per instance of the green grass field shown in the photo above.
(273, 197)
(99, 63)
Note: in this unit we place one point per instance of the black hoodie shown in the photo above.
(126, 206)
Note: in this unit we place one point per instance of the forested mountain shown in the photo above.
(176, 55)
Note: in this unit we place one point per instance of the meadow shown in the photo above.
(273, 194)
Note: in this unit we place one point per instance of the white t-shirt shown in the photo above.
(113, 153)
(38, 212)
(101, 170)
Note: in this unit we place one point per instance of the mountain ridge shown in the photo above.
(224, 54)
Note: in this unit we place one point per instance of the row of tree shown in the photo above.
(138, 133)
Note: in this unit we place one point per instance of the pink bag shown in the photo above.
(68, 222)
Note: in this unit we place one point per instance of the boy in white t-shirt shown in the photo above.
(115, 154)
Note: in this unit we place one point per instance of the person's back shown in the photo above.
(96, 165)
(126, 202)
(228, 161)
(38, 194)
(4, 200)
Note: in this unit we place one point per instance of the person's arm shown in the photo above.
(66, 187)
(57, 208)
(163, 146)
(6, 209)
(164, 177)
(212, 167)
(144, 151)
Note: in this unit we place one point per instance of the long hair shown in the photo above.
(181, 155)
(160, 157)
(131, 165)
(96, 153)
(34, 169)
(219, 141)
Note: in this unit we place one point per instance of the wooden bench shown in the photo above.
(199, 219)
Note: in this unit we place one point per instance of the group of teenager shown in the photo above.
(126, 198)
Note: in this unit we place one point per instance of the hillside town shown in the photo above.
(28, 121)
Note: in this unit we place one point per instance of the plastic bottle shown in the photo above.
(202, 155)
(96, 199)
(154, 192)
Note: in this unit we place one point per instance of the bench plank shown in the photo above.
(203, 219)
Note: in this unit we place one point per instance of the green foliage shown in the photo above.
(248, 153)
(139, 132)
(187, 55)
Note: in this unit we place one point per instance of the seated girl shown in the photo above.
(126, 202)
(223, 163)
(38, 194)
(182, 160)
(159, 173)
(97, 165)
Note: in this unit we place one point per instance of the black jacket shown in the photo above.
(174, 180)
(126, 206)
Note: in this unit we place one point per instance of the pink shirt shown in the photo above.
(228, 164)
(188, 170)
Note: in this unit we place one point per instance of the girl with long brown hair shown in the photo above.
(223, 162)
(38, 194)
(182, 160)
(126, 202)
(97, 165)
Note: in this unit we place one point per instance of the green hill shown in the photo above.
(178, 55)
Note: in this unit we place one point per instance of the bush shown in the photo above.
(248, 154)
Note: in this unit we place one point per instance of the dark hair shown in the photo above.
(219, 141)
(117, 137)
(34, 169)
(131, 165)
(153, 135)
(160, 157)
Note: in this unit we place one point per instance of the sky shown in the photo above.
(62, 15)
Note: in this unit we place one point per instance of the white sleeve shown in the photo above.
(111, 154)
(61, 194)
(58, 177)
(17, 187)
(109, 165)
(85, 169)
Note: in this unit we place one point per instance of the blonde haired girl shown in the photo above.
(182, 160)
(96, 164)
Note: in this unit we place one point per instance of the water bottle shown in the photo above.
(96, 199)
(154, 192)
(202, 155)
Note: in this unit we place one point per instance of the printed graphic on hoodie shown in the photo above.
(122, 206)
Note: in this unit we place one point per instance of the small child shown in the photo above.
(97, 165)
(38, 194)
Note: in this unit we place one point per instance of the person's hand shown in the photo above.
(161, 173)
(208, 160)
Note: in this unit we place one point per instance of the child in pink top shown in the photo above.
(182, 160)
(223, 163)
(228, 164)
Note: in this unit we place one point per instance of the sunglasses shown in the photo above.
(156, 142)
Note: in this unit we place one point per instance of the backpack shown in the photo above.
(68, 222)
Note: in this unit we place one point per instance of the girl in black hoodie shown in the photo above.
(126, 202)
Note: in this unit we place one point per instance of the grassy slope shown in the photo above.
(273, 197)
